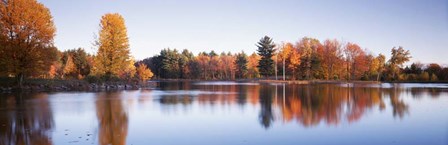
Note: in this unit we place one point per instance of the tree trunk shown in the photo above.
(378, 77)
(19, 80)
(283, 69)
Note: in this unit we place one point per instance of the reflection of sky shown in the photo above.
(231, 123)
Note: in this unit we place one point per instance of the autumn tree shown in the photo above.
(143, 72)
(203, 64)
(433, 69)
(356, 61)
(398, 58)
(26, 38)
(69, 67)
(376, 66)
(226, 66)
(186, 58)
(306, 51)
(294, 63)
(332, 59)
(266, 51)
(252, 66)
(241, 65)
(113, 52)
(128, 72)
(80, 59)
(285, 52)
(154, 63)
(309, 59)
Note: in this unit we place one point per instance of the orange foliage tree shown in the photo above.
(26, 38)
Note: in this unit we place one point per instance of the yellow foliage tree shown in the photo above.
(284, 55)
(69, 67)
(143, 72)
(26, 38)
(294, 62)
(129, 71)
(252, 64)
(113, 53)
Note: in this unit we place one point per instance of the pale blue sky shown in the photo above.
(420, 26)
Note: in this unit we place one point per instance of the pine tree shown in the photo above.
(241, 65)
(266, 51)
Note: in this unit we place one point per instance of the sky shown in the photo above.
(420, 26)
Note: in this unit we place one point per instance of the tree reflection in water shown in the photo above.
(112, 119)
(266, 113)
(308, 105)
(333, 104)
(25, 119)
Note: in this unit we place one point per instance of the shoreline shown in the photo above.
(296, 81)
(48, 85)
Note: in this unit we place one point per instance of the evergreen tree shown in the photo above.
(241, 65)
(266, 51)
(170, 63)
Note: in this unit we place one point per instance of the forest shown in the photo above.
(27, 51)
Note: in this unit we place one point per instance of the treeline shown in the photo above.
(26, 51)
(172, 64)
(306, 59)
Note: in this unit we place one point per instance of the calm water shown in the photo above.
(225, 113)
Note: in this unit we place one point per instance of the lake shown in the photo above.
(230, 113)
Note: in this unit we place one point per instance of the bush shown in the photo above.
(94, 79)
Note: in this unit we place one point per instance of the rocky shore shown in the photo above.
(79, 86)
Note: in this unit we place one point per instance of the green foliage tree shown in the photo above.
(241, 65)
(416, 68)
(171, 62)
(113, 56)
(266, 51)
(26, 38)
(80, 60)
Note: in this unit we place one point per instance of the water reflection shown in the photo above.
(25, 119)
(308, 105)
(266, 116)
(112, 119)
(221, 111)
